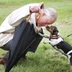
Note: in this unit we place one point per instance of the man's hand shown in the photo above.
(34, 9)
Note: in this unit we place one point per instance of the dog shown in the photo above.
(57, 41)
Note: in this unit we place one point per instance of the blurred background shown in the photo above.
(45, 59)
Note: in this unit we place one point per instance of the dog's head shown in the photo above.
(52, 29)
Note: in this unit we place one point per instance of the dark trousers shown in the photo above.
(23, 35)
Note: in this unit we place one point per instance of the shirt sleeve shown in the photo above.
(32, 19)
(18, 15)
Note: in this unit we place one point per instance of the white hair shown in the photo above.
(51, 13)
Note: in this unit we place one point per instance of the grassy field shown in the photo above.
(45, 59)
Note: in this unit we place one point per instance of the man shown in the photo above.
(33, 13)
(57, 42)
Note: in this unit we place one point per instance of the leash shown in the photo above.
(69, 35)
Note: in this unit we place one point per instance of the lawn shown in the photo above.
(45, 59)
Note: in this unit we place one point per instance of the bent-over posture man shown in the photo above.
(34, 13)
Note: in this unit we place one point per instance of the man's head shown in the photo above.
(46, 17)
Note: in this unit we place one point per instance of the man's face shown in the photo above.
(43, 19)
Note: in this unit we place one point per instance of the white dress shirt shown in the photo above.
(13, 20)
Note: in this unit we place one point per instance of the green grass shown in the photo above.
(45, 59)
(27, 1)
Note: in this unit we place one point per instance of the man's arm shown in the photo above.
(35, 9)
(21, 13)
